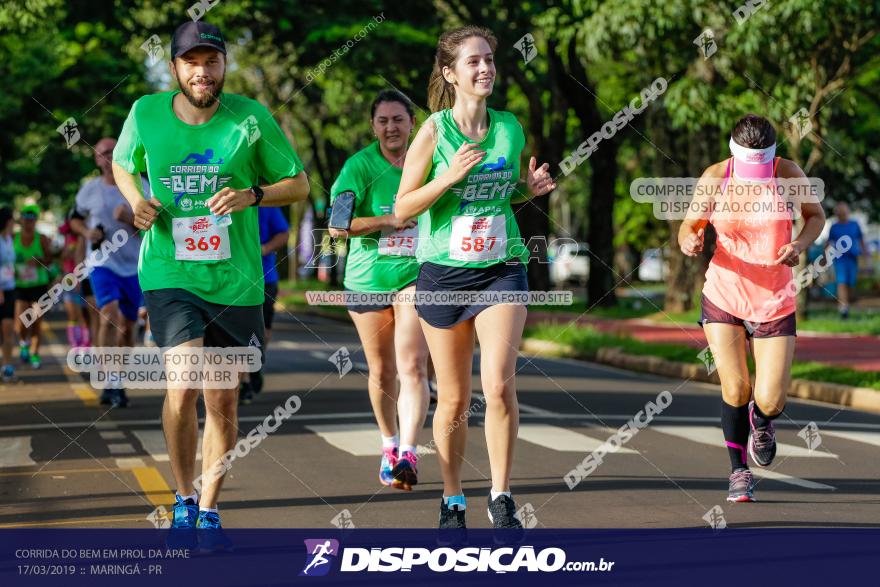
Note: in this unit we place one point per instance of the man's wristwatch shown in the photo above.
(258, 194)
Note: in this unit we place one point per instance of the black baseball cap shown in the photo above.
(196, 33)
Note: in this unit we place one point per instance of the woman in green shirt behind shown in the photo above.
(381, 261)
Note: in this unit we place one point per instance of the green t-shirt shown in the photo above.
(472, 224)
(186, 165)
(27, 275)
(380, 261)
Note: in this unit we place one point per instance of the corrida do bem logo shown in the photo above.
(197, 174)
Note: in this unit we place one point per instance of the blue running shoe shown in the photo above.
(183, 525)
(24, 353)
(212, 538)
(186, 513)
(9, 374)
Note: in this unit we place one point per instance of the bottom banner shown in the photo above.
(359, 556)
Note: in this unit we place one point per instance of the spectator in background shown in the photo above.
(7, 291)
(78, 334)
(846, 266)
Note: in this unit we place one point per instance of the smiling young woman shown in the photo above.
(460, 177)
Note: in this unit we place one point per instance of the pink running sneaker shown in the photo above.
(406, 472)
(389, 460)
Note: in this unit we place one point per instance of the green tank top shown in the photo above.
(381, 261)
(27, 275)
(472, 224)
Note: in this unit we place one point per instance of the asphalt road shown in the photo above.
(67, 462)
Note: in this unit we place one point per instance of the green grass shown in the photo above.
(587, 342)
(293, 295)
(626, 308)
(860, 322)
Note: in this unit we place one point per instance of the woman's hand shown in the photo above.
(789, 254)
(692, 245)
(465, 159)
(538, 180)
(401, 225)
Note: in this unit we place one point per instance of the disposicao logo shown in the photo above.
(320, 553)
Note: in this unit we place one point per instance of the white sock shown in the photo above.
(496, 494)
(409, 448)
(194, 497)
(203, 509)
(390, 441)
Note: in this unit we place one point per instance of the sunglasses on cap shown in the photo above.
(28, 215)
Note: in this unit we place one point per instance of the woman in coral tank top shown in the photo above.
(750, 291)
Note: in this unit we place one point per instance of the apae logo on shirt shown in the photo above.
(197, 174)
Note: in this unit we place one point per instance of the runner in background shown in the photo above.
(746, 296)
(100, 213)
(274, 234)
(846, 266)
(381, 260)
(33, 255)
(78, 334)
(461, 175)
(7, 291)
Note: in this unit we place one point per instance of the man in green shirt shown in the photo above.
(205, 153)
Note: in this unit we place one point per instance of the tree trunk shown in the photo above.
(600, 210)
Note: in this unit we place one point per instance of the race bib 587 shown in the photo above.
(478, 238)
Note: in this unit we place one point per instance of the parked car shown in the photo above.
(570, 262)
(653, 267)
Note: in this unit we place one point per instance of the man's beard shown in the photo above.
(208, 99)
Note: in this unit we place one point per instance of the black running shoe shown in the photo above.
(762, 441)
(245, 394)
(257, 381)
(741, 486)
(453, 530)
(502, 512)
(119, 400)
(451, 518)
(107, 396)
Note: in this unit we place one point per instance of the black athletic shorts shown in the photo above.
(7, 308)
(86, 291)
(31, 294)
(441, 278)
(178, 316)
(271, 294)
(352, 300)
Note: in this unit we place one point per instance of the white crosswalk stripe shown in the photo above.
(15, 451)
(713, 436)
(872, 438)
(782, 477)
(564, 440)
(153, 442)
(357, 439)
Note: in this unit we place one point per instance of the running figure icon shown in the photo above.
(319, 551)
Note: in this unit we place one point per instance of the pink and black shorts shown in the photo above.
(785, 326)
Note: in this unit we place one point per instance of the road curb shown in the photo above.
(859, 398)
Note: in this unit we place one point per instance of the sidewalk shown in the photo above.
(858, 352)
